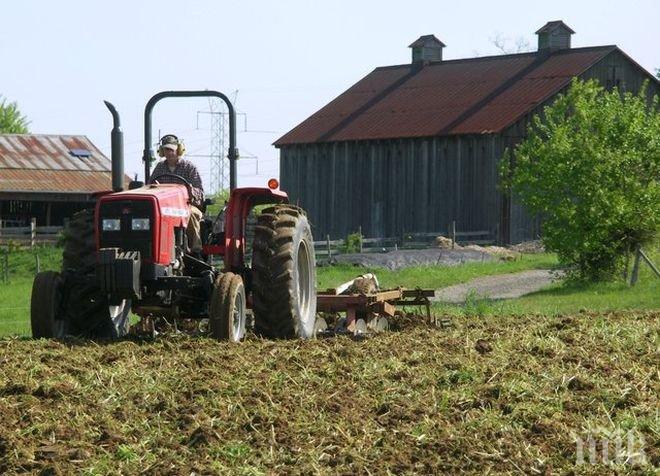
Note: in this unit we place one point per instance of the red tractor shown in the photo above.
(129, 253)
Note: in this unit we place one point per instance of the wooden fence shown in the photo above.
(326, 249)
(29, 235)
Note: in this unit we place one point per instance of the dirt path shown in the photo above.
(406, 258)
(501, 286)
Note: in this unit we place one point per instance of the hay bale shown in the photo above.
(442, 242)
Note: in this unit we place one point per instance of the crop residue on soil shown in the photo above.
(486, 394)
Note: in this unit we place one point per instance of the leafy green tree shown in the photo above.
(11, 120)
(590, 166)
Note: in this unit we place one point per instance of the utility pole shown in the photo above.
(219, 179)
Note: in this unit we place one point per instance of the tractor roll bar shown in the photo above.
(148, 152)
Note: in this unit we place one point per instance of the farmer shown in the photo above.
(172, 149)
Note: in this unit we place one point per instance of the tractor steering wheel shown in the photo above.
(178, 177)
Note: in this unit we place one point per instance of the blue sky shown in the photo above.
(283, 60)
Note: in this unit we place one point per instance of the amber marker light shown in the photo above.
(273, 184)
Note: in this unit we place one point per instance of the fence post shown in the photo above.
(33, 232)
(627, 262)
(360, 233)
(5, 265)
(635, 270)
(327, 240)
(453, 234)
(649, 262)
(37, 263)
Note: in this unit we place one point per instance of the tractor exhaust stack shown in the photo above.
(117, 150)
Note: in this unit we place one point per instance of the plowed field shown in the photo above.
(508, 394)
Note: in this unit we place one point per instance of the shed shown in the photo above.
(412, 148)
(49, 177)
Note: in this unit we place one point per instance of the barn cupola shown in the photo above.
(554, 35)
(426, 48)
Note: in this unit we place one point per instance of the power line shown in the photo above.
(219, 179)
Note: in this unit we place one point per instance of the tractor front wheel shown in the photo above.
(46, 317)
(227, 309)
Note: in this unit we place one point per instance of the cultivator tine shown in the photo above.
(320, 327)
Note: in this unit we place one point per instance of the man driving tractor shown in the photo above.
(172, 149)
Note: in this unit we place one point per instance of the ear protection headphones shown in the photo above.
(171, 139)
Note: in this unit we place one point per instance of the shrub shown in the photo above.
(590, 166)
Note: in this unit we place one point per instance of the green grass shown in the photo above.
(571, 297)
(557, 299)
(15, 294)
(432, 277)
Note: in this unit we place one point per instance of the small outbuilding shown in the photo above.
(49, 177)
(412, 148)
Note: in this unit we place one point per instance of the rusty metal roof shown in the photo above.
(52, 163)
(469, 96)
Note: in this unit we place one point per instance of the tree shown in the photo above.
(11, 120)
(590, 166)
(521, 45)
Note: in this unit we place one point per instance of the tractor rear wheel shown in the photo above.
(46, 317)
(79, 249)
(87, 307)
(284, 274)
(227, 310)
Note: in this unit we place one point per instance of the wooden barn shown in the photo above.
(412, 148)
(48, 177)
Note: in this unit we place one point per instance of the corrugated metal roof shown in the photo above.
(470, 96)
(70, 181)
(44, 163)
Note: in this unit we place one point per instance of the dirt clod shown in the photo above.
(482, 346)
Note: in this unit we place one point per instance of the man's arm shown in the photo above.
(156, 172)
(197, 187)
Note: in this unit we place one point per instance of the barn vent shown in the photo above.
(426, 48)
(554, 35)
(80, 153)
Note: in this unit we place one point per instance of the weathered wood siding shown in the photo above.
(420, 185)
(395, 186)
(615, 70)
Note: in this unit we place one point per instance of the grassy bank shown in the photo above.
(433, 277)
(557, 299)
(569, 297)
(15, 294)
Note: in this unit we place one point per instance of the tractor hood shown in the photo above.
(164, 206)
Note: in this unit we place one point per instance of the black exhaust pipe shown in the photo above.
(117, 150)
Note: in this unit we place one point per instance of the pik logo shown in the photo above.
(610, 447)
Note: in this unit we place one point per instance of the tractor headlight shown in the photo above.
(140, 224)
(111, 224)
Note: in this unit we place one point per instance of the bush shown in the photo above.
(590, 167)
(352, 243)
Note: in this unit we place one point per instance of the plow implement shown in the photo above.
(369, 312)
